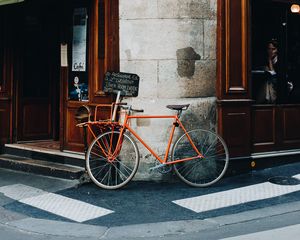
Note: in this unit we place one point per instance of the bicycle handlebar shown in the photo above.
(128, 107)
(137, 110)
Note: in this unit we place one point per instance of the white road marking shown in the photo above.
(20, 191)
(54, 203)
(236, 196)
(297, 176)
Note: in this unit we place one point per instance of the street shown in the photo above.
(240, 207)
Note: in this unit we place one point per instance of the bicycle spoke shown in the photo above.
(210, 147)
(103, 167)
(121, 173)
(105, 176)
(100, 156)
(102, 149)
(125, 166)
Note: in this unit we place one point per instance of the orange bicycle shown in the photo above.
(199, 157)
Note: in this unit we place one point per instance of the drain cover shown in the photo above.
(284, 180)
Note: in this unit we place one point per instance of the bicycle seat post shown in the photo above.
(179, 113)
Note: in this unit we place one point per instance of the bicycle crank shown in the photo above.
(161, 168)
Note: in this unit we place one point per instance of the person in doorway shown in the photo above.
(268, 92)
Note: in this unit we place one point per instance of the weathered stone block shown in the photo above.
(210, 37)
(213, 5)
(155, 39)
(184, 9)
(138, 9)
(201, 84)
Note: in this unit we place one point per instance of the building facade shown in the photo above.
(54, 55)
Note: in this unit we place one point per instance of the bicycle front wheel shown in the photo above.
(200, 172)
(112, 160)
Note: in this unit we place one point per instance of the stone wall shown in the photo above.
(171, 45)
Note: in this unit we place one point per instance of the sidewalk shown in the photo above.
(149, 209)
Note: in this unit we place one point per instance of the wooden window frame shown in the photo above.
(107, 59)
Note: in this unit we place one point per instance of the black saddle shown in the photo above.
(178, 107)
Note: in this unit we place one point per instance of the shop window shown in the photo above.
(1, 68)
(293, 56)
(78, 82)
(94, 48)
(275, 53)
(1, 54)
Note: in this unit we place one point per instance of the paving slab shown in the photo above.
(158, 229)
(9, 216)
(58, 228)
(260, 213)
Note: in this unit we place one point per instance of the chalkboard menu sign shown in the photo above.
(126, 83)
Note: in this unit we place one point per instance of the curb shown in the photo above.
(67, 229)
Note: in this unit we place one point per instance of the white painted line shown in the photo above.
(62, 206)
(20, 191)
(297, 176)
(66, 207)
(290, 232)
(236, 196)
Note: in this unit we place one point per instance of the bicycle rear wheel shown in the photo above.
(200, 172)
(111, 165)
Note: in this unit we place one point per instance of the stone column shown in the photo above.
(171, 45)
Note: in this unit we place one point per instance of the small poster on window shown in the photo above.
(63, 55)
(79, 40)
(78, 89)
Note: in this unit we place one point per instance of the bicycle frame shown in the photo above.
(176, 123)
(126, 126)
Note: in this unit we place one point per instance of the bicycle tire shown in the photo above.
(108, 170)
(200, 172)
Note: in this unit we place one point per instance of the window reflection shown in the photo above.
(1, 69)
(1, 52)
(275, 53)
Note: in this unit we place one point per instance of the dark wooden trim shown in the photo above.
(111, 60)
(62, 108)
(220, 45)
(233, 49)
(264, 125)
(234, 125)
(8, 24)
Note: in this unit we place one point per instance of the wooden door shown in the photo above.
(38, 98)
(93, 49)
(7, 53)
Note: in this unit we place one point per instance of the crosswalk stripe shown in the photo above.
(236, 196)
(297, 176)
(54, 203)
